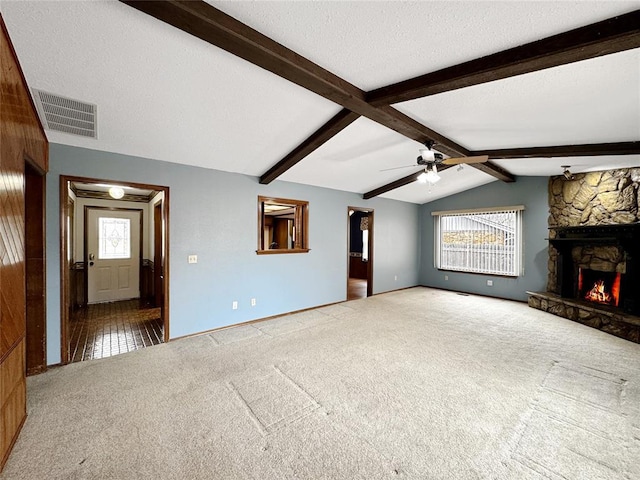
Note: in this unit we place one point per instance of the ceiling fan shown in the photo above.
(430, 157)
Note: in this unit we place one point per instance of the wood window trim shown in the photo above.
(301, 221)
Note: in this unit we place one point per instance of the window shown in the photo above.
(114, 241)
(283, 225)
(485, 241)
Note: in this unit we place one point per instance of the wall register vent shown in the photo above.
(65, 114)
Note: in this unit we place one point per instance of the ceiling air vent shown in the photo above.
(65, 114)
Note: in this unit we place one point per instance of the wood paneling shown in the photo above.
(21, 137)
(147, 292)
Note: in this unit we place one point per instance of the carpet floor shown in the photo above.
(419, 383)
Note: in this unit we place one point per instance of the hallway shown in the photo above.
(105, 329)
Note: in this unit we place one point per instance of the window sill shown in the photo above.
(502, 275)
(276, 251)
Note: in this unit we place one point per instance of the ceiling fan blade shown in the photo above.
(396, 168)
(455, 161)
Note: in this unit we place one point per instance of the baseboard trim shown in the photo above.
(473, 293)
(271, 317)
(249, 322)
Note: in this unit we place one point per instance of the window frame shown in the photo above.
(518, 240)
(300, 225)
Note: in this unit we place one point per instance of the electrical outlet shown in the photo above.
(395, 278)
(490, 283)
(234, 305)
(253, 302)
(193, 259)
(446, 277)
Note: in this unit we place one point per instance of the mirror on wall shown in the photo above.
(283, 225)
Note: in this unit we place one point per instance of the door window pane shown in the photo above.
(114, 240)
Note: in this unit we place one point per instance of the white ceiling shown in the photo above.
(166, 95)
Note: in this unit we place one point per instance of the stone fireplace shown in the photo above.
(594, 252)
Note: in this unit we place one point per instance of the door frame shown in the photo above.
(86, 244)
(158, 261)
(369, 211)
(65, 282)
(35, 267)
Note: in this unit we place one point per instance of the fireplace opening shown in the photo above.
(599, 287)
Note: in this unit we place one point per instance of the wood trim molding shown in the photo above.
(301, 224)
(128, 197)
(140, 186)
(613, 35)
(585, 150)
(401, 182)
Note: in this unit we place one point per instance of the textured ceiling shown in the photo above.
(166, 95)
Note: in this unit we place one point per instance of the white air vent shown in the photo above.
(66, 115)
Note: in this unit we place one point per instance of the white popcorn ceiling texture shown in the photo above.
(165, 95)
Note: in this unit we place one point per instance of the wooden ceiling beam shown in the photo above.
(399, 183)
(614, 35)
(206, 22)
(494, 170)
(339, 122)
(585, 150)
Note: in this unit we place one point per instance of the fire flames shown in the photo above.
(601, 293)
(598, 293)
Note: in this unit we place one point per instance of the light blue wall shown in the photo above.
(214, 214)
(528, 191)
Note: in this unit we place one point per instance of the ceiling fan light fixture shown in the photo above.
(427, 155)
(432, 177)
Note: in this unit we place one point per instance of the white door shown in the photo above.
(113, 255)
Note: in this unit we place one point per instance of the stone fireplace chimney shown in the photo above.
(594, 231)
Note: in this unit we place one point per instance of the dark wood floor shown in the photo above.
(107, 329)
(357, 288)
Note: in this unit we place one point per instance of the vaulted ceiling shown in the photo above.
(339, 94)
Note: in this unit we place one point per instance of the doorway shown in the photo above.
(112, 235)
(34, 225)
(359, 253)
